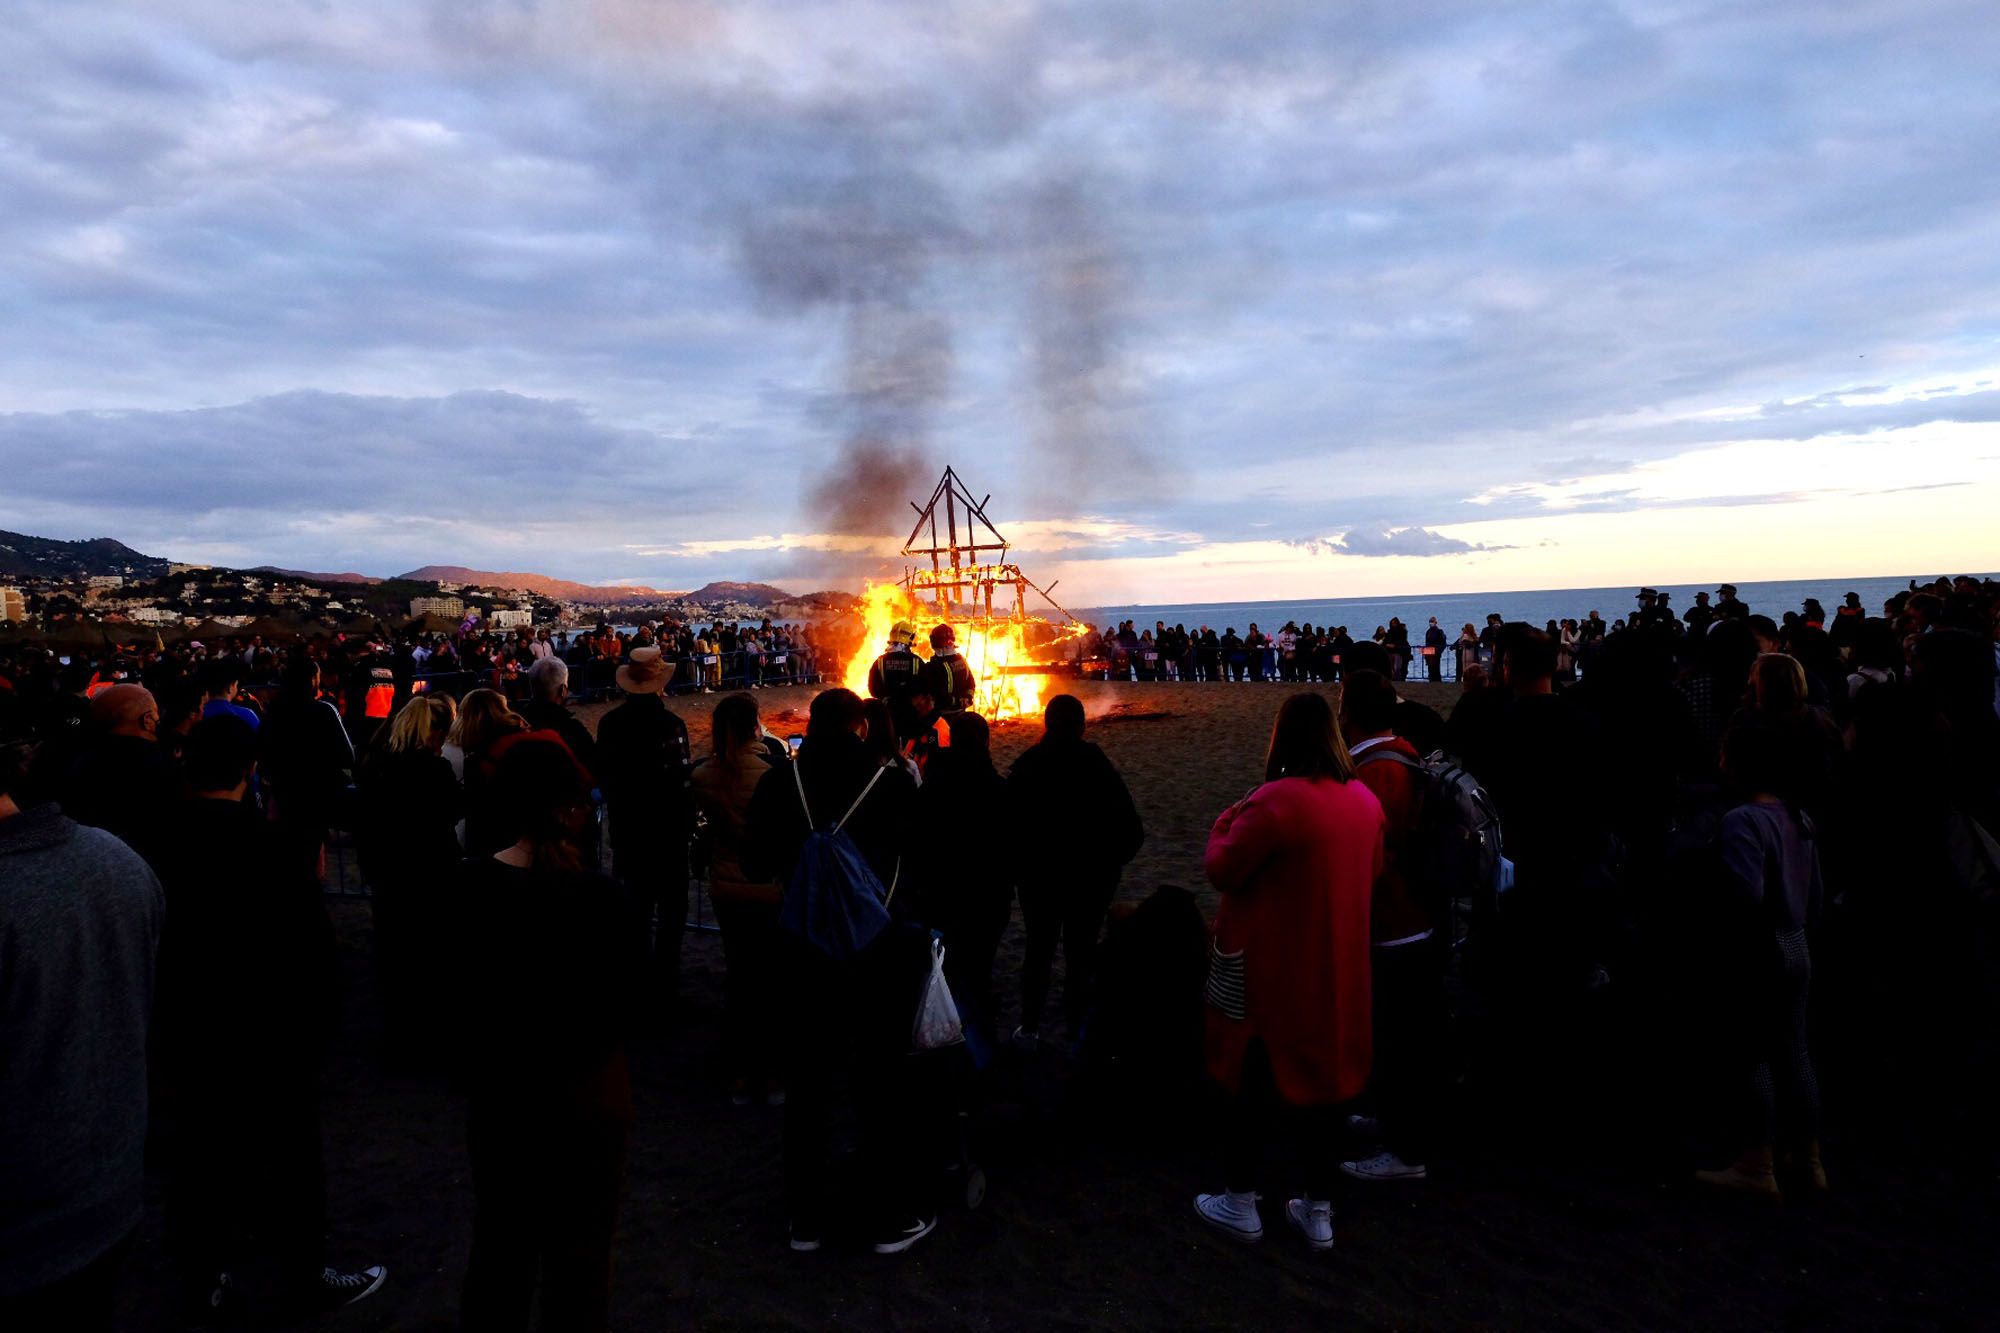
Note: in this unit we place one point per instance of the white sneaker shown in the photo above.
(1384, 1165)
(1234, 1215)
(1313, 1219)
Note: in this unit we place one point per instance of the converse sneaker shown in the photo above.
(1384, 1165)
(1234, 1215)
(900, 1239)
(1313, 1219)
(335, 1290)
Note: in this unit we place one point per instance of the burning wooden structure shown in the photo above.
(959, 575)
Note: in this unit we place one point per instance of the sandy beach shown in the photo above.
(1088, 1224)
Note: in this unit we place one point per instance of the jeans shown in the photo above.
(750, 987)
(1072, 914)
(1410, 1033)
(822, 1047)
(545, 1207)
(655, 873)
(246, 1153)
(1256, 1114)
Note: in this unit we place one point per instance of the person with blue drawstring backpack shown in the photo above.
(834, 827)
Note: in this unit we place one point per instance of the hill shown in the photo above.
(746, 594)
(310, 576)
(49, 558)
(561, 589)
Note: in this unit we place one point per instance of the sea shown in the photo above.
(1362, 615)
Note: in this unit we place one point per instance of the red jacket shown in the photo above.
(1296, 862)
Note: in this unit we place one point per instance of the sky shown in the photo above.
(1236, 301)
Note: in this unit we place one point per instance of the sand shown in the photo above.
(1088, 1225)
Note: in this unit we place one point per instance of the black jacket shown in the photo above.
(248, 975)
(834, 772)
(1076, 817)
(642, 764)
(545, 716)
(129, 787)
(407, 805)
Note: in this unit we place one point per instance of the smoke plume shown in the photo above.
(865, 250)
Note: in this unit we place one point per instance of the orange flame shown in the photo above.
(990, 650)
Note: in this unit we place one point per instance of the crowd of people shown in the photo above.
(1806, 805)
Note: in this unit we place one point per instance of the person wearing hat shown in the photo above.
(1726, 605)
(643, 765)
(1698, 616)
(893, 675)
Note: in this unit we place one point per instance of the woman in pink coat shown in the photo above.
(1288, 1019)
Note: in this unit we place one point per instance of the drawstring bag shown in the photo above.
(937, 1024)
(835, 902)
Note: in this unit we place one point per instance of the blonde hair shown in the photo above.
(416, 727)
(483, 717)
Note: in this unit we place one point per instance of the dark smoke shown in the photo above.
(1087, 446)
(866, 250)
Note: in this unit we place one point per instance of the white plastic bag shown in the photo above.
(937, 1024)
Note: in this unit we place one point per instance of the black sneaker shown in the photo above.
(912, 1231)
(335, 1290)
(214, 1302)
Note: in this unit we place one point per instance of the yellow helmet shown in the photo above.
(903, 632)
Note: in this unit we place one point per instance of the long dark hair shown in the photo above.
(732, 727)
(545, 799)
(1306, 742)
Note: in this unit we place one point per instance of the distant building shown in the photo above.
(187, 569)
(451, 608)
(105, 581)
(155, 615)
(510, 619)
(13, 606)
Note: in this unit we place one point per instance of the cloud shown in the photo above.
(1214, 271)
(1386, 541)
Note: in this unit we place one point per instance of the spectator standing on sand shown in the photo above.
(848, 1011)
(1771, 875)
(547, 980)
(125, 782)
(484, 719)
(1078, 829)
(80, 917)
(745, 908)
(247, 1003)
(969, 898)
(1408, 957)
(303, 756)
(643, 762)
(1295, 863)
(547, 709)
(407, 806)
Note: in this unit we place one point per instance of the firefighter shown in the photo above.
(893, 676)
(947, 673)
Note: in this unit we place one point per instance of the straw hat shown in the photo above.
(645, 672)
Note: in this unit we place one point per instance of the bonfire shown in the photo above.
(964, 579)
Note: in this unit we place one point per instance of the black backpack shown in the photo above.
(1453, 856)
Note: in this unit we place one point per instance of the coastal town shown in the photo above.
(103, 588)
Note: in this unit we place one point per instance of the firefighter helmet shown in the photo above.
(903, 632)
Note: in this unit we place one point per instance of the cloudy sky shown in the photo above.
(1218, 300)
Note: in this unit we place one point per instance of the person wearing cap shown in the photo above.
(893, 675)
(643, 765)
(1698, 616)
(1435, 643)
(1726, 605)
(948, 674)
